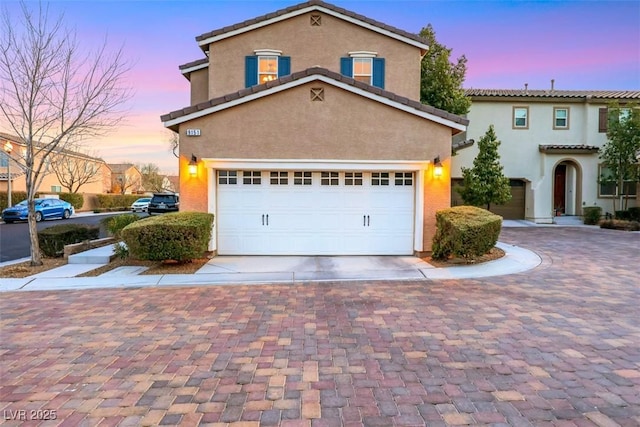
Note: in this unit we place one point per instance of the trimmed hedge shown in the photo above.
(116, 201)
(179, 236)
(618, 224)
(591, 215)
(16, 197)
(77, 200)
(465, 231)
(52, 240)
(632, 214)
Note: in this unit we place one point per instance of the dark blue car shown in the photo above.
(45, 209)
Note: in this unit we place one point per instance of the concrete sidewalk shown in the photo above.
(225, 270)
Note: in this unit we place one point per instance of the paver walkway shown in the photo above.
(555, 346)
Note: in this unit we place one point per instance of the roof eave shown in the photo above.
(206, 41)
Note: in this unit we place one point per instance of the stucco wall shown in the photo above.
(199, 86)
(288, 125)
(520, 155)
(310, 46)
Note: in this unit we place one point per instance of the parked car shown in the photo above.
(164, 202)
(45, 209)
(140, 205)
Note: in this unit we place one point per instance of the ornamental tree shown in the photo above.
(484, 183)
(620, 152)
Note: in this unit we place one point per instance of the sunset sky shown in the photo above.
(587, 45)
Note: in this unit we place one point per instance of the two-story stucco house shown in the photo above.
(550, 148)
(309, 138)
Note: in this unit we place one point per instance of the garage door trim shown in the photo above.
(418, 167)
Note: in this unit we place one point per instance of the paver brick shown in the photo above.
(555, 346)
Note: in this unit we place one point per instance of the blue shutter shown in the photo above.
(250, 71)
(284, 66)
(346, 67)
(378, 72)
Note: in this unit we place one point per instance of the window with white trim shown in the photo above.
(404, 178)
(227, 177)
(267, 68)
(302, 178)
(56, 189)
(363, 69)
(521, 117)
(279, 178)
(380, 178)
(353, 178)
(329, 178)
(251, 177)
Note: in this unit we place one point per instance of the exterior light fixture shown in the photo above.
(8, 148)
(193, 166)
(437, 167)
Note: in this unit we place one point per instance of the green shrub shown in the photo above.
(116, 202)
(53, 239)
(624, 215)
(115, 224)
(592, 215)
(465, 231)
(121, 250)
(74, 198)
(180, 236)
(634, 214)
(16, 197)
(617, 224)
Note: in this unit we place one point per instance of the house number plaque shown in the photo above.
(193, 132)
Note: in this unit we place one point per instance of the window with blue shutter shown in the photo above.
(284, 66)
(261, 69)
(378, 72)
(346, 67)
(367, 70)
(250, 71)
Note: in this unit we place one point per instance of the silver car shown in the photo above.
(141, 205)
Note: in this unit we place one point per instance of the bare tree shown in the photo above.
(53, 94)
(74, 171)
(151, 178)
(174, 142)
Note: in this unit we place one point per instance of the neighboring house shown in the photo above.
(125, 179)
(83, 173)
(171, 183)
(309, 137)
(550, 143)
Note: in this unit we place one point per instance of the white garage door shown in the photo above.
(314, 213)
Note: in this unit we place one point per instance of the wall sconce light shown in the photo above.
(193, 166)
(437, 167)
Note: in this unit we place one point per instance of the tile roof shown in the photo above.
(573, 148)
(578, 94)
(311, 3)
(194, 63)
(18, 140)
(120, 167)
(310, 72)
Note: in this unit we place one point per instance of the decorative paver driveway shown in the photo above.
(556, 346)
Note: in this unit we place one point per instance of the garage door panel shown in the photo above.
(315, 219)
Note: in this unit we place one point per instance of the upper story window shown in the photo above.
(365, 67)
(560, 118)
(267, 68)
(521, 117)
(265, 65)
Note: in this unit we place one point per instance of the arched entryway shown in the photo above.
(567, 188)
